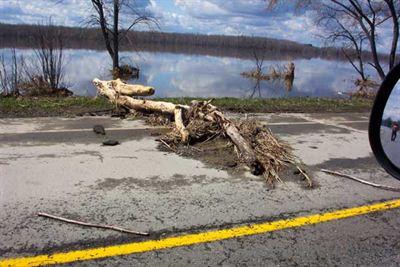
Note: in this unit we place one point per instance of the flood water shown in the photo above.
(180, 75)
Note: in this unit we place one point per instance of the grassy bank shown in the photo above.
(295, 104)
(70, 106)
(50, 106)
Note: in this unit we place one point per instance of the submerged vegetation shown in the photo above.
(277, 73)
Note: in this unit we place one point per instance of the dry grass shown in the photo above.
(366, 89)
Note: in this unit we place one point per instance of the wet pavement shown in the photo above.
(58, 166)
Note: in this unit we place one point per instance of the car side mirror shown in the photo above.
(384, 124)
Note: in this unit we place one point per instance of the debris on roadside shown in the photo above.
(305, 175)
(99, 129)
(385, 187)
(111, 143)
(254, 145)
(115, 228)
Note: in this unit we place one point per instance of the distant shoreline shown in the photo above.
(21, 36)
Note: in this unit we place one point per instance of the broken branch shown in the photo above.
(115, 228)
(310, 183)
(166, 144)
(180, 127)
(125, 89)
(386, 187)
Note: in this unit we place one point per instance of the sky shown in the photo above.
(227, 17)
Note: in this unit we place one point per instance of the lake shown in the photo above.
(179, 75)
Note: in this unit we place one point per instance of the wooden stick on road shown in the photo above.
(302, 172)
(386, 187)
(115, 228)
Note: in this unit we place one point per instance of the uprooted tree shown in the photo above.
(255, 145)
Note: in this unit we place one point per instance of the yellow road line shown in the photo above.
(191, 239)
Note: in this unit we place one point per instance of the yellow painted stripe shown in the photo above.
(191, 239)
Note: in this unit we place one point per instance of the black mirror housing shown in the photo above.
(375, 123)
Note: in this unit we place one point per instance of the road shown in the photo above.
(57, 165)
(391, 148)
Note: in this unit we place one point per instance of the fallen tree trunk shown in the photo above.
(247, 153)
(180, 127)
(183, 116)
(148, 106)
(122, 88)
(107, 89)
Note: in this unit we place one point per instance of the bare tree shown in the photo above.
(394, 14)
(107, 15)
(11, 75)
(50, 55)
(40, 74)
(258, 72)
(347, 34)
(368, 16)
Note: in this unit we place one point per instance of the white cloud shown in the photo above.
(32, 12)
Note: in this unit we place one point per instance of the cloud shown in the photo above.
(242, 17)
(32, 12)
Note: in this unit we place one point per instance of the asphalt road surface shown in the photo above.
(196, 215)
(391, 148)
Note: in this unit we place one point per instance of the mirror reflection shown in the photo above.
(390, 126)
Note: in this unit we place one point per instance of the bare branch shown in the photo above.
(108, 12)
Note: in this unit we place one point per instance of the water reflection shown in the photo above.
(283, 75)
(175, 75)
(390, 127)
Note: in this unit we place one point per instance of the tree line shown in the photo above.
(22, 36)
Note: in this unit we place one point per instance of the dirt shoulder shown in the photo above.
(75, 106)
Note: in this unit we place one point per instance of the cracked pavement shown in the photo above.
(57, 166)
